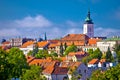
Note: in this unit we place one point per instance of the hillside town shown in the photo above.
(72, 57)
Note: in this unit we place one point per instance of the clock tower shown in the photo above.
(88, 27)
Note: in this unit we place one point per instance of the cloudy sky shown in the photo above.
(32, 18)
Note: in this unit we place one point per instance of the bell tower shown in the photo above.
(88, 27)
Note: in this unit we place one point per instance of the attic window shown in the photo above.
(79, 71)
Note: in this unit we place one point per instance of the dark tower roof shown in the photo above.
(45, 36)
(88, 20)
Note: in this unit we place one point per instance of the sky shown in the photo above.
(32, 18)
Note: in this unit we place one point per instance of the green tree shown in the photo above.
(42, 54)
(97, 54)
(61, 49)
(17, 60)
(109, 56)
(4, 66)
(74, 73)
(35, 49)
(117, 50)
(71, 48)
(53, 54)
(29, 53)
(33, 73)
(65, 46)
(98, 75)
(110, 74)
(90, 51)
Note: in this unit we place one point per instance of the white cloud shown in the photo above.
(75, 31)
(37, 21)
(71, 23)
(9, 32)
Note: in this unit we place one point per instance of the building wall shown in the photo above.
(103, 45)
(88, 30)
(16, 42)
(58, 76)
(82, 69)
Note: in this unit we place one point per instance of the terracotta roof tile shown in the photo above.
(28, 43)
(48, 70)
(70, 64)
(60, 70)
(63, 58)
(103, 60)
(93, 41)
(5, 43)
(93, 61)
(75, 37)
(42, 44)
(29, 58)
(71, 53)
(52, 45)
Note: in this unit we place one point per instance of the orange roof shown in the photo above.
(93, 41)
(42, 44)
(52, 45)
(70, 64)
(48, 70)
(28, 43)
(29, 58)
(63, 58)
(77, 53)
(71, 53)
(75, 37)
(93, 61)
(103, 60)
(5, 43)
(60, 70)
(69, 43)
(45, 63)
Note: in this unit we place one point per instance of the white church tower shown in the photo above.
(88, 27)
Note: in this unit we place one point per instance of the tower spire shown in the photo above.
(88, 20)
(45, 36)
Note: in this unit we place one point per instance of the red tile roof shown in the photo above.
(28, 43)
(52, 45)
(48, 70)
(69, 43)
(73, 37)
(29, 58)
(70, 64)
(81, 53)
(42, 44)
(93, 41)
(6, 43)
(93, 61)
(103, 60)
(60, 71)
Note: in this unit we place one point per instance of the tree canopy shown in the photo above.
(71, 48)
(110, 74)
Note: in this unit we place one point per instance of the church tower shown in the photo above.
(88, 27)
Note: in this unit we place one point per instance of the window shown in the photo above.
(85, 71)
(79, 71)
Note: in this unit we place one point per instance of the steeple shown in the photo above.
(88, 27)
(45, 36)
(88, 20)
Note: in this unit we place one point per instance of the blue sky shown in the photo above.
(32, 18)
